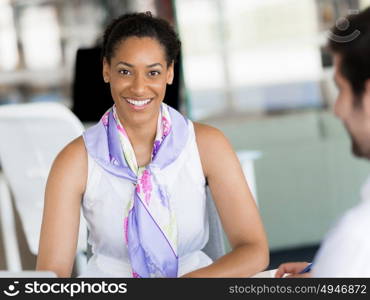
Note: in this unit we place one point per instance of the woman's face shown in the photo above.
(138, 75)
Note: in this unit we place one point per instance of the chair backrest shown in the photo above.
(215, 246)
(31, 135)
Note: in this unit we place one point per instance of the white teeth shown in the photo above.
(138, 103)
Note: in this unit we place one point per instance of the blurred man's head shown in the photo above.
(350, 44)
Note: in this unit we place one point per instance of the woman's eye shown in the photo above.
(154, 73)
(124, 72)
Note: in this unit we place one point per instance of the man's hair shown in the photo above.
(352, 44)
(141, 25)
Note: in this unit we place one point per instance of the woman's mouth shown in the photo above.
(138, 104)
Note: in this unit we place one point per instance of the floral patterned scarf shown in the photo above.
(149, 223)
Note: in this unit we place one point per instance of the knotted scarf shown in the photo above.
(149, 224)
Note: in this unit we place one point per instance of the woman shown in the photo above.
(140, 175)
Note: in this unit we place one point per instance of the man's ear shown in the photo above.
(366, 97)
(170, 73)
(106, 70)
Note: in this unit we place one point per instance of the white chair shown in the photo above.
(31, 135)
(217, 244)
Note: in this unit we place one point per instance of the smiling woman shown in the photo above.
(138, 74)
(140, 176)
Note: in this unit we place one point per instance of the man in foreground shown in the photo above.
(346, 248)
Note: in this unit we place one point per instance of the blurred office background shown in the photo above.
(257, 70)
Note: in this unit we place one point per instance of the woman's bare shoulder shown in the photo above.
(73, 150)
(73, 153)
(206, 133)
(208, 136)
(71, 163)
(212, 145)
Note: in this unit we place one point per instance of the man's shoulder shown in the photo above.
(356, 220)
(352, 227)
(345, 248)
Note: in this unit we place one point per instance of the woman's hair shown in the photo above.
(352, 43)
(141, 25)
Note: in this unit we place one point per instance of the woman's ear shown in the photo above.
(106, 70)
(170, 73)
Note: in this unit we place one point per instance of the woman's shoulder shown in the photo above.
(212, 145)
(71, 163)
(207, 135)
(75, 151)
(204, 131)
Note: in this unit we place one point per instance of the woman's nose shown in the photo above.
(138, 86)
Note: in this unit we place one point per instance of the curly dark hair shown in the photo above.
(352, 44)
(141, 25)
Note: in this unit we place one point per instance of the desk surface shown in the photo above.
(266, 274)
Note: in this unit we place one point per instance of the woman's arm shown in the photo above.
(64, 189)
(237, 209)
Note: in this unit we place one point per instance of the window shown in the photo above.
(8, 38)
(248, 57)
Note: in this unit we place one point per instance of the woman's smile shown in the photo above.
(138, 103)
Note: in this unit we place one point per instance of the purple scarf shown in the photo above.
(149, 250)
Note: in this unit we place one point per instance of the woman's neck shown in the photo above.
(141, 134)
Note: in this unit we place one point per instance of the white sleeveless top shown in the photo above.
(107, 196)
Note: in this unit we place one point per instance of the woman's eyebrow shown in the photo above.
(125, 63)
(154, 65)
(131, 65)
